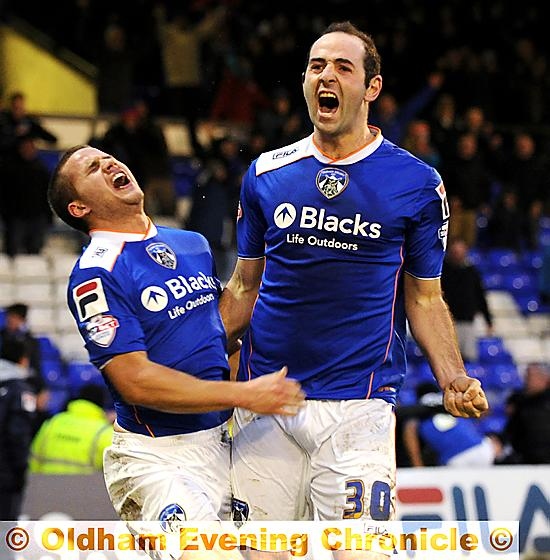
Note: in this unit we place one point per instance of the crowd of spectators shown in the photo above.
(465, 86)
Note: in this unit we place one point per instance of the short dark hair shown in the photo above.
(371, 60)
(61, 192)
(92, 392)
(19, 309)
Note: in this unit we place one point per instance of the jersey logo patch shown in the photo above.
(89, 298)
(170, 516)
(101, 330)
(284, 215)
(163, 255)
(331, 181)
(154, 298)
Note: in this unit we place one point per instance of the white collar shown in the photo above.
(354, 157)
(124, 236)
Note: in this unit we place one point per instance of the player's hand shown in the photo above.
(273, 394)
(464, 397)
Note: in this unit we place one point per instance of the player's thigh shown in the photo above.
(353, 473)
(184, 483)
(269, 471)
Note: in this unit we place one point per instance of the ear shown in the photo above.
(78, 209)
(374, 89)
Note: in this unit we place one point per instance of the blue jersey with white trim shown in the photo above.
(337, 237)
(158, 295)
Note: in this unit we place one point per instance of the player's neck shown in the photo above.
(137, 223)
(340, 146)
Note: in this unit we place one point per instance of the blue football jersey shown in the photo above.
(337, 237)
(158, 294)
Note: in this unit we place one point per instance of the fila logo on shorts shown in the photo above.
(89, 299)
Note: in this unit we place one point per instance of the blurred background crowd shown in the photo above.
(466, 89)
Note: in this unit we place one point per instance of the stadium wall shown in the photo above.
(50, 85)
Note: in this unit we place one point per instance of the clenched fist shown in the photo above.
(464, 397)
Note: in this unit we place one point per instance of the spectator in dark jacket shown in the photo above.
(528, 427)
(17, 405)
(465, 295)
(16, 123)
(24, 205)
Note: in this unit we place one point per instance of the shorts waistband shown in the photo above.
(128, 439)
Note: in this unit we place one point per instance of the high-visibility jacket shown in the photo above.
(72, 442)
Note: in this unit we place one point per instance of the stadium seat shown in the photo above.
(519, 282)
(504, 377)
(31, 268)
(53, 373)
(61, 267)
(502, 258)
(492, 423)
(57, 401)
(6, 293)
(35, 293)
(48, 348)
(492, 350)
(72, 347)
(82, 373)
(6, 268)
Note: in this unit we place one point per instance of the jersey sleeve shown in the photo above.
(251, 224)
(103, 311)
(426, 239)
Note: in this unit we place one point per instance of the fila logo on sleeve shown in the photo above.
(89, 299)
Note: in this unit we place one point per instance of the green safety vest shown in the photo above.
(72, 442)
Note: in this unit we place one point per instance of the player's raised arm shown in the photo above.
(432, 327)
(145, 383)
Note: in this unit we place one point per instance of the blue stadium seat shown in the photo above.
(532, 259)
(504, 377)
(492, 280)
(520, 282)
(82, 373)
(492, 423)
(530, 302)
(502, 258)
(492, 351)
(53, 373)
(57, 401)
(48, 349)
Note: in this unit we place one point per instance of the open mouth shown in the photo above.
(328, 102)
(120, 180)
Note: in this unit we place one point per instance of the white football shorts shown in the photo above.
(170, 478)
(334, 460)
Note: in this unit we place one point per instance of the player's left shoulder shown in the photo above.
(182, 240)
(275, 159)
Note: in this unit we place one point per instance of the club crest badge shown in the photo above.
(331, 181)
(162, 254)
(171, 517)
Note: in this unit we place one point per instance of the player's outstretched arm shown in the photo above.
(432, 326)
(145, 383)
